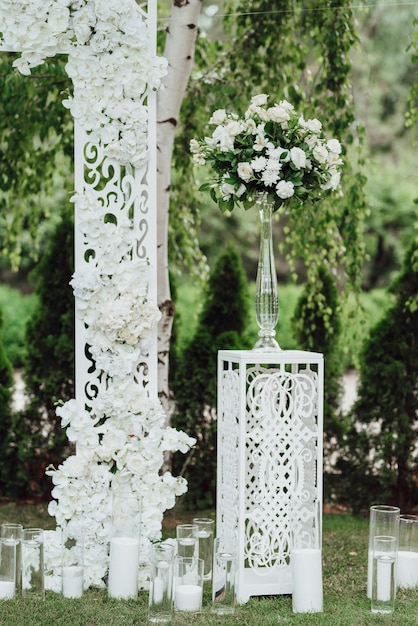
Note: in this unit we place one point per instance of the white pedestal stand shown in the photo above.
(269, 476)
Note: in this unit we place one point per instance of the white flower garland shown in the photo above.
(109, 62)
(121, 440)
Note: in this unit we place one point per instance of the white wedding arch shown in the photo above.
(116, 419)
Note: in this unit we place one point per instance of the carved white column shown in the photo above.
(269, 480)
(123, 192)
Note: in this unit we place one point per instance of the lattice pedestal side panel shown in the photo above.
(269, 481)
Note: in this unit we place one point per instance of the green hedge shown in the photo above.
(17, 309)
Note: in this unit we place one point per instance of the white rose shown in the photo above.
(334, 145)
(311, 141)
(227, 190)
(251, 125)
(194, 146)
(320, 153)
(279, 114)
(245, 171)
(241, 190)
(260, 141)
(298, 157)
(333, 182)
(259, 100)
(314, 125)
(199, 159)
(58, 18)
(234, 128)
(286, 105)
(223, 138)
(218, 117)
(285, 189)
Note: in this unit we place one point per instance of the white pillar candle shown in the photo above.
(72, 581)
(7, 589)
(158, 590)
(123, 567)
(159, 585)
(407, 569)
(384, 567)
(188, 597)
(376, 555)
(306, 566)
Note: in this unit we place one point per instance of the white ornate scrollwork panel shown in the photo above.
(228, 447)
(115, 232)
(281, 440)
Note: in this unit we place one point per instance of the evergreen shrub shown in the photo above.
(380, 457)
(48, 369)
(6, 391)
(222, 324)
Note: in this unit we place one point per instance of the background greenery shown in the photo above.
(349, 66)
(18, 307)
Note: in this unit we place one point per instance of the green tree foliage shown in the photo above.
(6, 387)
(412, 113)
(36, 131)
(380, 459)
(297, 51)
(49, 364)
(221, 325)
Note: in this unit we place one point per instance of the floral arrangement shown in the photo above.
(272, 150)
(120, 434)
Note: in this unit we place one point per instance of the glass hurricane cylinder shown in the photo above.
(33, 576)
(160, 605)
(384, 520)
(266, 299)
(205, 534)
(13, 532)
(7, 569)
(407, 561)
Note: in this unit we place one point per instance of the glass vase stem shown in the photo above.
(266, 300)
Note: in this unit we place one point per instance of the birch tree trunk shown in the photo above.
(179, 51)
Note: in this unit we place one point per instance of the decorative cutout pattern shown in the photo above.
(114, 200)
(269, 449)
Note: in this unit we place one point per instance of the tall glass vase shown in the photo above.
(266, 299)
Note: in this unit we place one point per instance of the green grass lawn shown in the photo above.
(345, 541)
